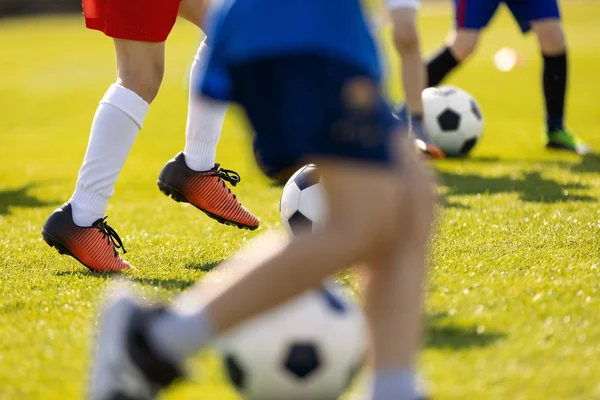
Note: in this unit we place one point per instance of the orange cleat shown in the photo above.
(95, 246)
(429, 151)
(206, 191)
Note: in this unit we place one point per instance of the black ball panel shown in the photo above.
(446, 92)
(302, 360)
(468, 146)
(448, 120)
(299, 223)
(336, 304)
(308, 177)
(476, 111)
(235, 372)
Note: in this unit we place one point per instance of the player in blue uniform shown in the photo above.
(541, 16)
(307, 74)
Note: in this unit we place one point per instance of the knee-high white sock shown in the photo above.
(116, 124)
(204, 121)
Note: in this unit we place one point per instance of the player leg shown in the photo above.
(543, 17)
(394, 285)
(406, 40)
(78, 227)
(471, 16)
(369, 201)
(193, 176)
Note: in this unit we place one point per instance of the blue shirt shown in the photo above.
(245, 30)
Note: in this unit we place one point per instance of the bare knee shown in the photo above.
(140, 67)
(550, 36)
(463, 43)
(406, 36)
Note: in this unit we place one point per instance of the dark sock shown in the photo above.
(555, 85)
(440, 66)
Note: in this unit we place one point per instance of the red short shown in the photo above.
(141, 20)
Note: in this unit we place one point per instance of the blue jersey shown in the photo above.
(245, 30)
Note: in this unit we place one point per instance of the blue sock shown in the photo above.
(394, 385)
(417, 127)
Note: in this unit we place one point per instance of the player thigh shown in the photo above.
(138, 20)
(527, 12)
(194, 11)
(404, 19)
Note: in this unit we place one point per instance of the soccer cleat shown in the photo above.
(206, 191)
(564, 140)
(125, 366)
(425, 147)
(95, 246)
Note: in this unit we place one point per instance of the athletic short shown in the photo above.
(304, 106)
(476, 14)
(395, 4)
(141, 20)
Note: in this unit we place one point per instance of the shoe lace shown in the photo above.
(227, 175)
(111, 236)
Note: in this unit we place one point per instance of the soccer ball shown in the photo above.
(453, 119)
(308, 348)
(303, 206)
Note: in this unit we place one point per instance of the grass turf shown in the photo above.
(513, 305)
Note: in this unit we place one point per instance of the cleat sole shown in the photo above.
(53, 242)
(179, 197)
(64, 251)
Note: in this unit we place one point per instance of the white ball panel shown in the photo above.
(290, 200)
(312, 203)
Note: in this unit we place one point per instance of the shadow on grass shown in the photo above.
(20, 198)
(204, 267)
(532, 187)
(440, 335)
(588, 163)
(164, 283)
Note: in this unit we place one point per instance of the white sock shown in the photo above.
(204, 122)
(118, 119)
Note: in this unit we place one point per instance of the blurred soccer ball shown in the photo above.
(303, 204)
(308, 348)
(453, 119)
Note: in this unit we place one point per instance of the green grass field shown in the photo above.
(514, 302)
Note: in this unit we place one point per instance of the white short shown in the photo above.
(394, 4)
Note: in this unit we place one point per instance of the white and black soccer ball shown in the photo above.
(453, 119)
(303, 205)
(308, 348)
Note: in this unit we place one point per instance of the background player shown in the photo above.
(403, 14)
(139, 29)
(543, 17)
(311, 95)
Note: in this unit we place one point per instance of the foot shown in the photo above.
(125, 366)
(425, 146)
(206, 191)
(95, 246)
(565, 140)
